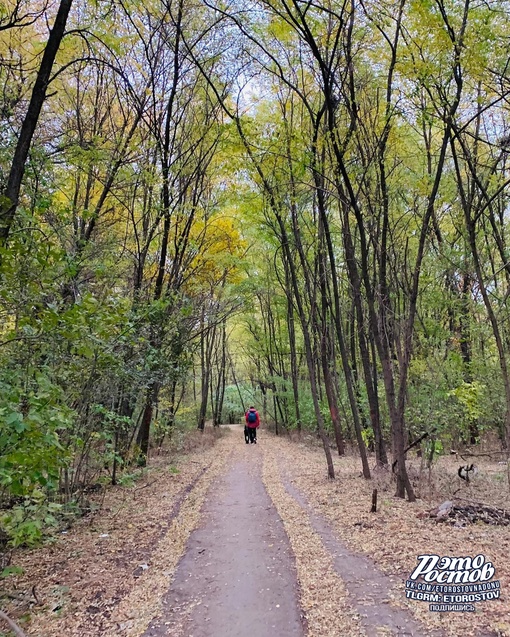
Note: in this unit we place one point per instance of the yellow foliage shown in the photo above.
(220, 250)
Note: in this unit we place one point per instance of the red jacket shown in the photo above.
(252, 424)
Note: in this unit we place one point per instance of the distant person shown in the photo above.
(252, 424)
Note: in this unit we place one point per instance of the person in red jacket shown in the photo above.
(252, 424)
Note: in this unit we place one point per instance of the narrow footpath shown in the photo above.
(238, 576)
(236, 540)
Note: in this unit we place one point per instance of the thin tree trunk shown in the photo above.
(145, 424)
(471, 230)
(9, 200)
(308, 345)
(328, 381)
(220, 386)
(294, 369)
(337, 314)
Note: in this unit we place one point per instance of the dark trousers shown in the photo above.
(252, 433)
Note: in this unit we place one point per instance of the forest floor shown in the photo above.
(232, 540)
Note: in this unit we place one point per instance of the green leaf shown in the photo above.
(16, 420)
(11, 570)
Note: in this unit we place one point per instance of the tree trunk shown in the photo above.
(145, 425)
(207, 342)
(10, 196)
(220, 385)
(310, 361)
(471, 230)
(325, 354)
(294, 369)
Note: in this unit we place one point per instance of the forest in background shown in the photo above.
(207, 204)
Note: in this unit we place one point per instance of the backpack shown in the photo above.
(252, 416)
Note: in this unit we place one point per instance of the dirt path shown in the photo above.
(236, 540)
(237, 576)
(369, 589)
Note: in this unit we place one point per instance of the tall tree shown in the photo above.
(10, 195)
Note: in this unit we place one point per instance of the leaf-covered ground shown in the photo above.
(109, 574)
(395, 536)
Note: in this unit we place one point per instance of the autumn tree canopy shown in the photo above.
(204, 205)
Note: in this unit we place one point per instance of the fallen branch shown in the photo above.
(470, 512)
(471, 454)
(413, 444)
(149, 484)
(21, 598)
(12, 625)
